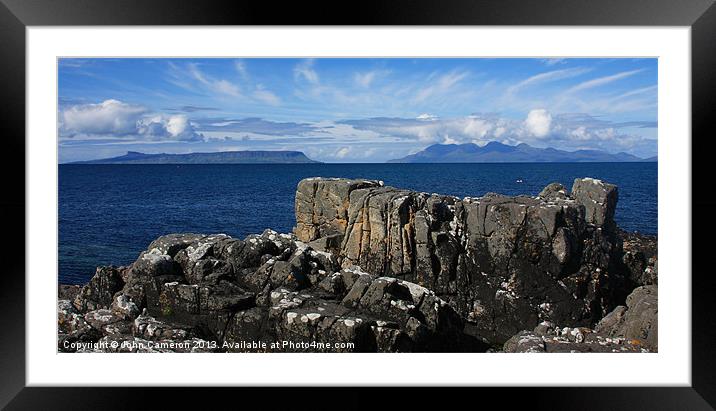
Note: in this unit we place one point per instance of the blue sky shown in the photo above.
(353, 110)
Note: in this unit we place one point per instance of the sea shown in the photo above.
(108, 214)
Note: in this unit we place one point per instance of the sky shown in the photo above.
(353, 109)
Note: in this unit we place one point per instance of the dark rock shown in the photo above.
(246, 329)
(68, 292)
(638, 320)
(100, 290)
(206, 308)
(554, 191)
(640, 258)
(504, 263)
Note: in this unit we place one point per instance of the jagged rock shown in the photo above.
(68, 291)
(100, 290)
(204, 308)
(505, 263)
(638, 320)
(374, 313)
(640, 258)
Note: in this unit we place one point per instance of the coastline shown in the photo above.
(393, 270)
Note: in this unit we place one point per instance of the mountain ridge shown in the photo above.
(496, 152)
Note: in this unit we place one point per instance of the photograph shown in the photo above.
(243, 204)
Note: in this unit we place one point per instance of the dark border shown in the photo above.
(15, 15)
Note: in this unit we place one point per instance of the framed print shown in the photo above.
(477, 196)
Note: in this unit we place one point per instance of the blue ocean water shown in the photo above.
(108, 214)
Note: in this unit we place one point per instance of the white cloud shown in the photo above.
(266, 96)
(342, 152)
(240, 67)
(448, 140)
(115, 119)
(476, 128)
(547, 77)
(220, 86)
(540, 128)
(107, 117)
(304, 70)
(364, 79)
(538, 122)
(602, 81)
(552, 61)
(443, 84)
(427, 117)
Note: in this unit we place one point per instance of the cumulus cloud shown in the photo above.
(116, 119)
(538, 122)
(539, 128)
(174, 127)
(107, 117)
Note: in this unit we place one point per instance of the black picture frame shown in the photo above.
(16, 15)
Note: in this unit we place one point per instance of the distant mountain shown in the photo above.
(223, 157)
(651, 159)
(495, 152)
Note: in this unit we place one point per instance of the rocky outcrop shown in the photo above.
(504, 263)
(268, 292)
(631, 328)
(374, 268)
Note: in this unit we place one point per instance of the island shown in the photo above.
(222, 157)
(496, 152)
